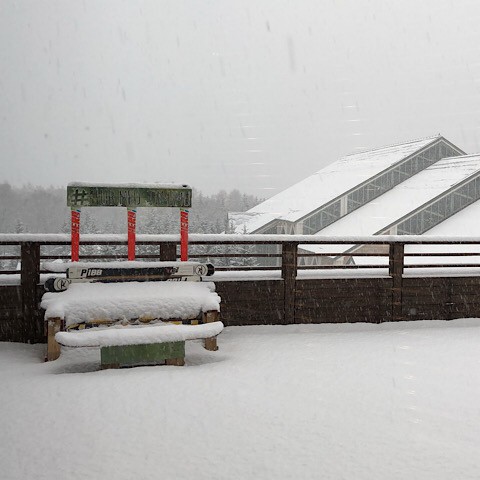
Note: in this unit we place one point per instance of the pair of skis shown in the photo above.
(178, 272)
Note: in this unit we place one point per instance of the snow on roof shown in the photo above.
(402, 199)
(326, 185)
(247, 222)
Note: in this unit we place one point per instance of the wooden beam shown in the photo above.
(396, 266)
(177, 362)
(54, 325)
(289, 276)
(30, 278)
(211, 342)
(168, 252)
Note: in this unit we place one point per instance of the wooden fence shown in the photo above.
(439, 280)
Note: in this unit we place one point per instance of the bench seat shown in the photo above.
(130, 307)
(128, 346)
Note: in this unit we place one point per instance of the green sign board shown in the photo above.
(80, 195)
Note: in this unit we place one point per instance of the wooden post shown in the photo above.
(168, 252)
(131, 227)
(183, 234)
(30, 278)
(396, 265)
(211, 342)
(289, 276)
(75, 234)
(54, 325)
(177, 362)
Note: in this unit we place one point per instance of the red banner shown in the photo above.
(75, 235)
(132, 223)
(183, 235)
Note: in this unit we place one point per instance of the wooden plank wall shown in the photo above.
(463, 297)
(251, 302)
(443, 298)
(13, 324)
(11, 313)
(315, 301)
(343, 300)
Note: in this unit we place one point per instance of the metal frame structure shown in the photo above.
(130, 196)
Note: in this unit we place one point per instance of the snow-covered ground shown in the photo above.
(358, 401)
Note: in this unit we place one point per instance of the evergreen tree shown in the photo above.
(88, 226)
(246, 249)
(19, 226)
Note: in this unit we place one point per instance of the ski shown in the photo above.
(100, 273)
(180, 272)
(60, 284)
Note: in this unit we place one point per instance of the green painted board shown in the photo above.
(128, 196)
(133, 355)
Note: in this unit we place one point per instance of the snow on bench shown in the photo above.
(137, 335)
(85, 303)
(129, 306)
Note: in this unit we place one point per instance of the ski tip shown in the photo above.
(56, 284)
(48, 285)
(210, 269)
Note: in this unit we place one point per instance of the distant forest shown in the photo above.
(33, 209)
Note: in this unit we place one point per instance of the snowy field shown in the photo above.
(390, 401)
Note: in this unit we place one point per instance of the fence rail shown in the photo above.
(168, 246)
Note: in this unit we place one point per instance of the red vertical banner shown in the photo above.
(75, 234)
(183, 235)
(132, 223)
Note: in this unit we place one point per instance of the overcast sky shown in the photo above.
(225, 94)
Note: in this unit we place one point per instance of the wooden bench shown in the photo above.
(86, 310)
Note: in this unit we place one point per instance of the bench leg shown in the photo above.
(178, 362)
(54, 325)
(211, 342)
(106, 366)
